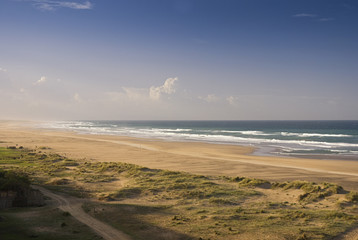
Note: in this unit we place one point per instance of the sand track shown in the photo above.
(74, 207)
(350, 235)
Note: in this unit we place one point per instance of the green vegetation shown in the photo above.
(17, 166)
(251, 182)
(13, 181)
(42, 223)
(158, 204)
(352, 196)
(169, 185)
(312, 191)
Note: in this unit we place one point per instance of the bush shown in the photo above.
(13, 181)
(247, 182)
(352, 196)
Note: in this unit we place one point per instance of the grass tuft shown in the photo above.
(352, 196)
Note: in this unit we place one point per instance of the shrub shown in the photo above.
(246, 182)
(10, 180)
(352, 196)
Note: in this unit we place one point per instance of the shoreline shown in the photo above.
(194, 157)
(182, 132)
(259, 151)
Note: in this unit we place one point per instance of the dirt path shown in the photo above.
(74, 207)
(350, 235)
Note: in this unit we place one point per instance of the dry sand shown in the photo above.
(194, 157)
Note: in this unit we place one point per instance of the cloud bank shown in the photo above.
(154, 93)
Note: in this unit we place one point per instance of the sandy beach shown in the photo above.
(193, 157)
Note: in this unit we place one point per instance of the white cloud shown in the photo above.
(305, 15)
(211, 98)
(167, 88)
(42, 80)
(73, 5)
(22, 90)
(314, 16)
(77, 98)
(3, 70)
(232, 100)
(52, 5)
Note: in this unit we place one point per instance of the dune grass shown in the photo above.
(159, 204)
(42, 223)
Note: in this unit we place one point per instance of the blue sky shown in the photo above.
(179, 59)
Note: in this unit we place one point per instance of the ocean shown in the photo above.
(314, 139)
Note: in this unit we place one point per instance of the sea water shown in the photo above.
(330, 139)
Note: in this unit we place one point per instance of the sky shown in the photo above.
(179, 59)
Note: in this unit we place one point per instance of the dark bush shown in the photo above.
(13, 181)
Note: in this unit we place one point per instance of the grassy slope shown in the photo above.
(42, 223)
(38, 222)
(159, 204)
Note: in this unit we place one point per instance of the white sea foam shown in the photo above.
(314, 135)
(256, 133)
(253, 133)
(236, 139)
(172, 130)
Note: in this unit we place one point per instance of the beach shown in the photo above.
(150, 188)
(193, 157)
